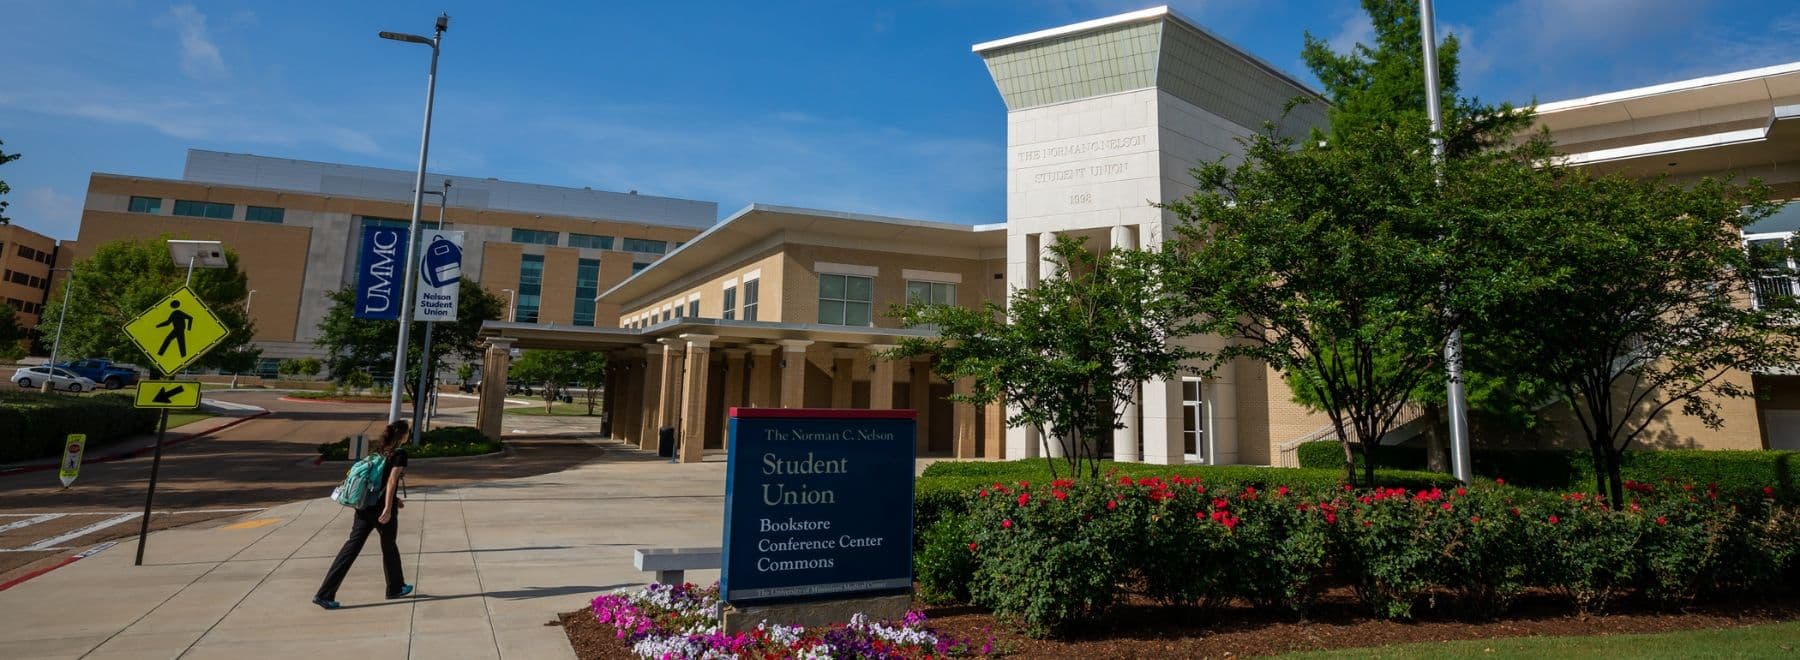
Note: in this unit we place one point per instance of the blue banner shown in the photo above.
(379, 273)
(818, 504)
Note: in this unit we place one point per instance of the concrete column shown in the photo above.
(963, 418)
(631, 399)
(669, 413)
(650, 402)
(1127, 445)
(994, 419)
(1221, 411)
(793, 372)
(734, 389)
(694, 407)
(881, 383)
(762, 372)
(843, 377)
(1021, 441)
(919, 392)
(492, 406)
(609, 403)
(1046, 257)
(1162, 421)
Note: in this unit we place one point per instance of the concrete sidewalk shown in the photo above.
(494, 562)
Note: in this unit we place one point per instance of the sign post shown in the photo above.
(818, 516)
(182, 323)
(71, 463)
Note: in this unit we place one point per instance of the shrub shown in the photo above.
(1736, 473)
(945, 563)
(35, 425)
(1037, 470)
(436, 443)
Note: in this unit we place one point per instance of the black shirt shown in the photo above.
(398, 460)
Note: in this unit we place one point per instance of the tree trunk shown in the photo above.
(1349, 460)
(1369, 462)
(1614, 465)
(1598, 454)
(1437, 455)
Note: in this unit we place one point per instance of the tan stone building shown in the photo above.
(26, 258)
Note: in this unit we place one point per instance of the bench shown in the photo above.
(670, 564)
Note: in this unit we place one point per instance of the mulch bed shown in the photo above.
(1138, 628)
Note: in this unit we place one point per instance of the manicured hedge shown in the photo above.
(436, 443)
(1562, 470)
(34, 424)
(1048, 555)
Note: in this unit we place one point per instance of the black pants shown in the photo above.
(366, 520)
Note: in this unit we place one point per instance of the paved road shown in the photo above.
(257, 464)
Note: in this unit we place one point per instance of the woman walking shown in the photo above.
(381, 515)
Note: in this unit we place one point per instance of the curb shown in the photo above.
(167, 442)
(65, 562)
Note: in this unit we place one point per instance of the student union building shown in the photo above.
(776, 306)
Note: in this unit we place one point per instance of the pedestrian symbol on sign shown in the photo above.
(179, 323)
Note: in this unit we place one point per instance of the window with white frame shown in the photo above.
(752, 289)
(846, 299)
(729, 308)
(1771, 255)
(1193, 419)
(931, 293)
(693, 307)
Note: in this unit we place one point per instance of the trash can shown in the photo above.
(665, 442)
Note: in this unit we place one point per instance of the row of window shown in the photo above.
(843, 300)
(32, 281)
(25, 307)
(213, 210)
(37, 255)
(627, 244)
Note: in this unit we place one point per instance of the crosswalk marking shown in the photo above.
(30, 521)
(109, 522)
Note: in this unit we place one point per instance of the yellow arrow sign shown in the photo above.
(168, 394)
(176, 331)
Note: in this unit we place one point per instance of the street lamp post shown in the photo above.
(61, 317)
(1456, 397)
(412, 253)
(247, 300)
(512, 301)
(422, 394)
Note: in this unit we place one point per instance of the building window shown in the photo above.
(693, 308)
(34, 254)
(635, 267)
(590, 241)
(268, 214)
(587, 286)
(1774, 265)
(751, 289)
(645, 245)
(1193, 420)
(534, 237)
(212, 210)
(145, 204)
(730, 306)
(268, 367)
(931, 293)
(846, 299)
(531, 286)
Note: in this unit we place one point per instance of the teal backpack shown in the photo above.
(360, 482)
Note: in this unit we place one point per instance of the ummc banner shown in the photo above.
(378, 283)
(440, 275)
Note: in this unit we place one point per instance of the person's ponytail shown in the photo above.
(391, 437)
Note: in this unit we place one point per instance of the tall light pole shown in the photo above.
(512, 298)
(247, 300)
(1453, 362)
(412, 252)
(61, 318)
(421, 395)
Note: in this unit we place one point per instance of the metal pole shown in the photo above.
(412, 254)
(162, 427)
(190, 275)
(1453, 363)
(61, 318)
(421, 395)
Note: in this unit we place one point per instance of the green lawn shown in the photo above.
(1764, 641)
(560, 409)
(178, 418)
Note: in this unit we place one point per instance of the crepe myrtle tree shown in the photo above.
(1649, 306)
(367, 345)
(559, 369)
(1066, 355)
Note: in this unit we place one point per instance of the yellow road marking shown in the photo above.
(253, 524)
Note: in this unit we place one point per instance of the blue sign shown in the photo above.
(379, 273)
(818, 504)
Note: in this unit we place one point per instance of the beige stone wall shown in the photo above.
(1671, 429)
(712, 289)
(800, 290)
(11, 237)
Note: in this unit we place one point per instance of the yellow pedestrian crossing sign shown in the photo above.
(168, 394)
(177, 331)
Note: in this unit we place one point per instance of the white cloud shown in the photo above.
(199, 55)
(1355, 30)
(43, 207)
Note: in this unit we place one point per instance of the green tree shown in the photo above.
(11, 334)
(367, 345)
(122, 279)
(239, 360)
(300, 367)
(4, 159)
(552, 369)
(1648, 305)
(1066, 354)
(590, 375)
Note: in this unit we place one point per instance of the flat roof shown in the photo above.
(1692, 84)
(560, 337)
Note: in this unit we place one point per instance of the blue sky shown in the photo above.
(866, 107)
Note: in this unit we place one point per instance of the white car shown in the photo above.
(62, 379)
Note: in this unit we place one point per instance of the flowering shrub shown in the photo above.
(1049, 554)
(668, 622)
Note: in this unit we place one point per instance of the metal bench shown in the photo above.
(671, 564)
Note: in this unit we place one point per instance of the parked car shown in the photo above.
(104, 372)
(62, 379)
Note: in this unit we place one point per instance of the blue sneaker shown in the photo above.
(405, 590)
(327, 604)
